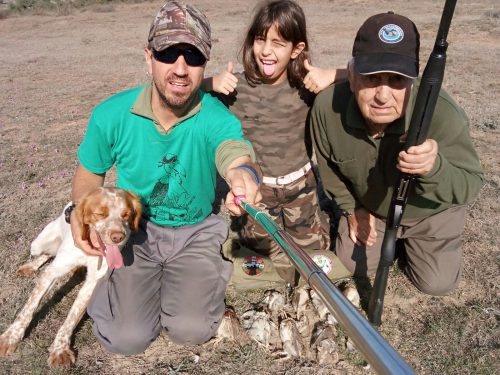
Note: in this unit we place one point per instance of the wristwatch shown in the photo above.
(67, 212)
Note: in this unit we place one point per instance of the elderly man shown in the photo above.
(167, 139)
(359, 127)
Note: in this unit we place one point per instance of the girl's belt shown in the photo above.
(289, 178)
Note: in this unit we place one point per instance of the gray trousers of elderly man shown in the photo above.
(174, 279)
(432, 250)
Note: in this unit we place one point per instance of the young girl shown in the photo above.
(272, 102)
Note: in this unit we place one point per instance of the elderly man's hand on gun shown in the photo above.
(419, 160)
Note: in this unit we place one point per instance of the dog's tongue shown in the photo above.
(113, 256)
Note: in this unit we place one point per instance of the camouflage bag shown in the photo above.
(252, 270)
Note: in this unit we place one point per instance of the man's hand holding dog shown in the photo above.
(90, 246)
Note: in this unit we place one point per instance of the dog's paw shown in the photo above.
(26, 270)
(8, 344)
(61, 357)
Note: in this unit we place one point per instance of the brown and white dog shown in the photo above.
(109, 212)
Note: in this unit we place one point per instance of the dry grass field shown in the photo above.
(56, 65)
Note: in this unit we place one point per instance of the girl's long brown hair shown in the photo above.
(290, 21)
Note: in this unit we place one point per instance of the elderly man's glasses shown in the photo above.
(192, 55)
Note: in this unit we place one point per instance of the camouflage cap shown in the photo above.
(177, 22)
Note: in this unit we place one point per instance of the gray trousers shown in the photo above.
(174, 277)
(432, 248)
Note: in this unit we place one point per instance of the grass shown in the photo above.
(457, 334)
(472, 339)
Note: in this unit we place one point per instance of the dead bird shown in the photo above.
(261, 328)
(323, 312)
(319, 305)
(291, 339)
(307, 320)
(230, 327)
(300, 298)
(350, 347)
(324, 344)
(247, 318)
(351, 293)
(348, 290)
(273, 301)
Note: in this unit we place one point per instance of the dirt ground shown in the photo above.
(55, 68)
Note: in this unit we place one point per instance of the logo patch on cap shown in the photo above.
(323, 262)
(391, 33)
(253, 265)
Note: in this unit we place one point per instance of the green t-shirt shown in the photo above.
(173, 173)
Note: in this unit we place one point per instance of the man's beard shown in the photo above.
(174, 102)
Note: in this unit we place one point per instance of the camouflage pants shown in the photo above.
(294, 207)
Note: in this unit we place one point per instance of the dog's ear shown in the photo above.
(81, 211)
(134, 202)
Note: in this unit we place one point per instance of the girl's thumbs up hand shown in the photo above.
(317, 79)
(225, 82)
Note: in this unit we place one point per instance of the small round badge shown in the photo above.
(323, 262)
(253, 265)
(391, 33)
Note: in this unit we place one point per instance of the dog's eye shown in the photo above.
(98, 215)
(125, 215)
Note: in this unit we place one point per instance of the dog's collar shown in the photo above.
(67, 212)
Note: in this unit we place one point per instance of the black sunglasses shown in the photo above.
(170, 55)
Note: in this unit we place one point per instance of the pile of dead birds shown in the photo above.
(290, 325)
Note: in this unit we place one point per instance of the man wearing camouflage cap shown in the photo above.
(358, 129)
(167, 140)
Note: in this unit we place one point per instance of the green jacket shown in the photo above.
(359, 171)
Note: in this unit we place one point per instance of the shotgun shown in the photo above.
(427, 96)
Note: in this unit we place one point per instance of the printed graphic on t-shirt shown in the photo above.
(170, 199)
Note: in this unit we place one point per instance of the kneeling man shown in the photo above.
(358, 130)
